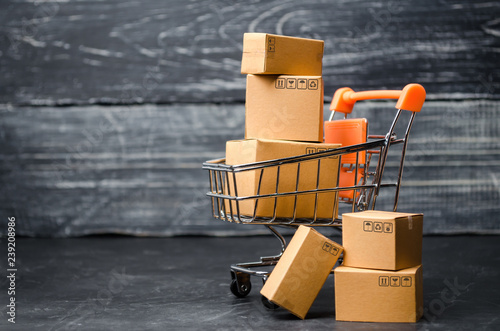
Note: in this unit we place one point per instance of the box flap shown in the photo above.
(379, 214)
(407, 271)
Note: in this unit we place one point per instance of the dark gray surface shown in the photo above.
(107, 283)
(137, 170)
(81, 52)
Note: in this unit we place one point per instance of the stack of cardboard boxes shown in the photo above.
(283, 118)
(284, 96)
(380, 279)
(381, 276)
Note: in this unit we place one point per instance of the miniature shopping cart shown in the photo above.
(359, 180)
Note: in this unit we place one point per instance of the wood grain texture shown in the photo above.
(122, 52)
(109, 166)
(137, 169)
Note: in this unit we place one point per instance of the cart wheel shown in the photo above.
(268, 304)
(243, 289)
(240, 284)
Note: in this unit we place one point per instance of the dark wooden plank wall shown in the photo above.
(108, 164)
(79, 52)
(137, 169)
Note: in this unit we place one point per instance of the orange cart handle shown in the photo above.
(411, 98)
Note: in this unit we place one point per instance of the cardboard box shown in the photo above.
(302, 270)
(255, 150)
(382, 240)
(367, 295)
(284, 107)
(280, 55)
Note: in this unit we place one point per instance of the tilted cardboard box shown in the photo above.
(367, 295)
(382, 240)
(284, 107)
(255, 150)
(279, 55)
(301, 271)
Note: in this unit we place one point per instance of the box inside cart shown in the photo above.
(247, 182)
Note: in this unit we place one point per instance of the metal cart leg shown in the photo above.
(241, 272)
